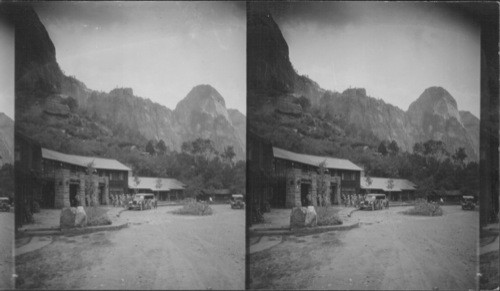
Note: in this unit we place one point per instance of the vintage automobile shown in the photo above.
(468, 202)
(374, 201)
(142, 201)
(237, 201)
(4, 204)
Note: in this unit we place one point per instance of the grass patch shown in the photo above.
(192, 207)
(97, 216)
(424, 208)
(327, 215)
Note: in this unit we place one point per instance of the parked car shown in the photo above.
(237, 201)
(141, 201)
(374, 201)
(468, 202)
(4, 204)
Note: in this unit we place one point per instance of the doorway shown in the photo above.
(48, 194)
(73, 192)
(333, 194)
(304, 191)
(102, 198)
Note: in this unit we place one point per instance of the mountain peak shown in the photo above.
(202, 99)
(434, 101)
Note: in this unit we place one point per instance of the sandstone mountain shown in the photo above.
(201, 114)
(273, 83)
(6, 139)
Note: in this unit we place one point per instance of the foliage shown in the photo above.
(327, 215)
(422, 207)
(97, 216)
(192, 207)
(90, 191)
(150, 149)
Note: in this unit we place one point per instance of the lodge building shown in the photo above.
(65, 177)
(297, 179)
(165, 189)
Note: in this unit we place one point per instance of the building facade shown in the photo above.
(165, 189)
(66, 179)
(300, 179)
(395, 189)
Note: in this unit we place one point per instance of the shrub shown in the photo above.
(97, 216)
(192, 207)
(327, 215)
(422, 207)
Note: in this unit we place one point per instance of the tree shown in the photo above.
(90, 187)
(150, 148)
(459, 155)
(390, 184)
(158, 186)
(418, 148)
(382, 149)
(162, 148)
(393, 147)
(137, 181)
(368, 180)
(229, 154)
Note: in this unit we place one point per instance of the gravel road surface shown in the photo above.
(389, 251)
(159, 250)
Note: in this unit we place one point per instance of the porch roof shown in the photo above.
(330, 163)
(166, 184)
(382, 184)
(98, 163)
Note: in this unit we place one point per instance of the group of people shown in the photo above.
(352, 200)
(120, 200)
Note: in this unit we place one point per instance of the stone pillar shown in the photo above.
(106, 190)
(61, 188)
(339, 186)
(81, 189)
(313, 191)
(328, 193)
(293, 188)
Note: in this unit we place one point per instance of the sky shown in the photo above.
(394, 50)
(7, 65)
(159, 49)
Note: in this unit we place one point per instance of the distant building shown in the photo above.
(395, 189)
(65, 177)
(166, 189)
(297, 179)
(217, 195)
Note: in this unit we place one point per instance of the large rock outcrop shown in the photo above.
(434, 115)
(202, 113)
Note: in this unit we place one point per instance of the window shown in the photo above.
(348, 176)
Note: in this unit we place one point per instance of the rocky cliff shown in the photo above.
(6, 139)
(271, 77)
(38, 77)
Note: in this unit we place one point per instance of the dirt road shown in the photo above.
(159, 250)
(389, 251)
(6, 247)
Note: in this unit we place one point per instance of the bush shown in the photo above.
(422, 207)
(327, 215)
(97, 216)
(192, 207)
